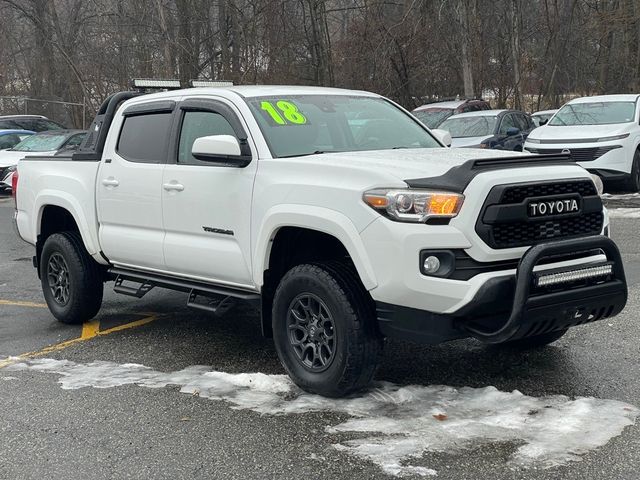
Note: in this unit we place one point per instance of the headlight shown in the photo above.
(598, 181)
(532, 140)
(414, 205)
(11, 168)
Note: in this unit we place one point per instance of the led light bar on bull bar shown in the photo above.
(210, 83)
(151, 83)
(545, 280)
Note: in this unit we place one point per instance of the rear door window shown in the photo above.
(144, 138)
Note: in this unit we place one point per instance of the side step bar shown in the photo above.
(218, 298)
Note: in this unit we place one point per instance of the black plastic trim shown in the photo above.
(458, 178)
(147, 108)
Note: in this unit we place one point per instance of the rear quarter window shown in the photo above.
(144, 138)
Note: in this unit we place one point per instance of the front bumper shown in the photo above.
(513, 307)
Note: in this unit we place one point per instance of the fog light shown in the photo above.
(431, 264)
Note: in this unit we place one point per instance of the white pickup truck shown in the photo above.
(343, 217)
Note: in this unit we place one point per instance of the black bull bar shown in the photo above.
(542, 309)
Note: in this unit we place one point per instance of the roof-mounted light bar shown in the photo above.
(210, 83)
(142, 83)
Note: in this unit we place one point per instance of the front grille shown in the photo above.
(518, 234)
(518, 193)
(578, 154)
(505, 223)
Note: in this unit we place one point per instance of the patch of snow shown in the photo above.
(399, 424)
(624, 212)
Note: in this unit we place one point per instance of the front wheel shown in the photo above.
(633, 182)
(72, 281)
(324, 329)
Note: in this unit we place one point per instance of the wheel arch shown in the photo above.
(313, 219)
(57, 213)
(325, 234)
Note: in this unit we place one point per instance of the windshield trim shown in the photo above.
(408, 114)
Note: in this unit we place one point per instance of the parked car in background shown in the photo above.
(10, 138)
(35, 123)
(600, 133)
(499, 129)
(542, 117)
(433, 114)
(42, 144)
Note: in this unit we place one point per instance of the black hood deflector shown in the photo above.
(458, 178)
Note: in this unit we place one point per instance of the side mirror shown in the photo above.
(543, 121)
(511, 131)
(224, 149)
(443, 135)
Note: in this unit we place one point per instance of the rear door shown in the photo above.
(207, 205)
(129, 185)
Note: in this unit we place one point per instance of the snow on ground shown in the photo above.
(624, 212)
(398, 424)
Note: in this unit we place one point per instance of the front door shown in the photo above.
(129, 186)
(207, 205)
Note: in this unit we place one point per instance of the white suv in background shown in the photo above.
(601, 133)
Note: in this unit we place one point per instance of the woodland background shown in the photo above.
(529, 54)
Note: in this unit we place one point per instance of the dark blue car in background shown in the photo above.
(499, 129)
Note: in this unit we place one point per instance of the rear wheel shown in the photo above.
(537, 341)
(633, 182)
(324, 329)
(72, 282)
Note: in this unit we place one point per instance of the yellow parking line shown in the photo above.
(18, 303)
(89, 330)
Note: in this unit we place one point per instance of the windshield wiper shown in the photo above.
(317, 152)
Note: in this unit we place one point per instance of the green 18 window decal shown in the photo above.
(284, 109)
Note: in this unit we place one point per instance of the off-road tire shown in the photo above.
(358, 343)
(537, 341)
(84, 278)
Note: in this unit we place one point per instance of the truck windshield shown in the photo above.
(306, 124)
(40, 143)
(596, 113)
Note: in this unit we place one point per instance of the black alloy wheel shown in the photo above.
(58, 278)
(312, 332)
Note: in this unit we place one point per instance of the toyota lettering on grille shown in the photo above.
(544, 208)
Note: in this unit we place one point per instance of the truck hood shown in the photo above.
(578, 132)
(10, 157)
(468, 141)
(403, 163)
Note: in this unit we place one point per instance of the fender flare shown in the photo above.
(320, 219)
(57, 198)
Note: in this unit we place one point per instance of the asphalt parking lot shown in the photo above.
(120, 420)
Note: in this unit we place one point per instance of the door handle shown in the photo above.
(110, 182)
(173, 187)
